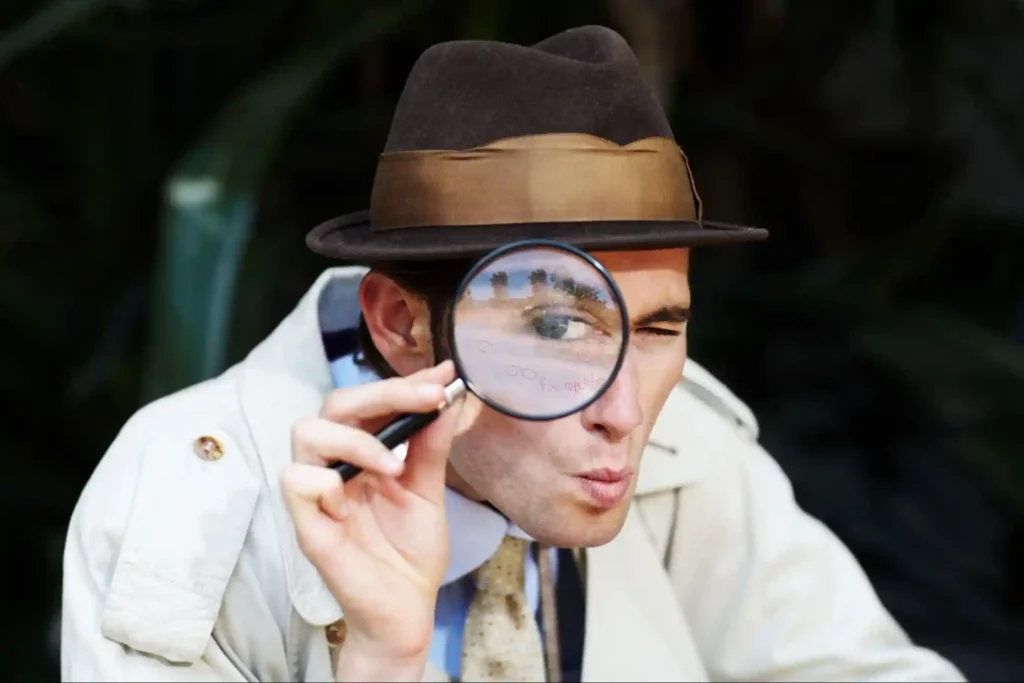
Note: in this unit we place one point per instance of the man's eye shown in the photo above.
(661, 331)
(559, 326)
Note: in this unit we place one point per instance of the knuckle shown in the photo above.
(286, 478)
(335, 403)
(354, 448)
(301, 433)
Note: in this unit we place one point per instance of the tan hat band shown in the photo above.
(535, 179)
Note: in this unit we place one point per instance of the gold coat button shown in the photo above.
(208, 448)
(336, 632)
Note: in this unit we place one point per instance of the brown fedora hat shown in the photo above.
(493, 142)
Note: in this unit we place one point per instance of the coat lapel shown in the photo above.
(635, 629)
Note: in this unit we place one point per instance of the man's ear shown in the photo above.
(398, 323)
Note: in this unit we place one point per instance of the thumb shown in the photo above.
(427, 459)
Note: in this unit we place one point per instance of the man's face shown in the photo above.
(568, 482)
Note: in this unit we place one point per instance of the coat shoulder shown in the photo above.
(701, 423)
(160, 525)
(699, 383)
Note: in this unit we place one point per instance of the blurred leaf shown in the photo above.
(44, 25)
(212, 198)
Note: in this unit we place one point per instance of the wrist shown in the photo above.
(364, 660)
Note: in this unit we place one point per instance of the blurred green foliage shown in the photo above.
(212, 197)
(160, 163)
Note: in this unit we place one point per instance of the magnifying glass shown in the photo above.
(538, 331)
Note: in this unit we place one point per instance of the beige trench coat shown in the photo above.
(180, 568)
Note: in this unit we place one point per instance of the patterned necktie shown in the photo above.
(501, 641)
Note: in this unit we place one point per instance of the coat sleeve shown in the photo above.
(150, 549)
(771, 594)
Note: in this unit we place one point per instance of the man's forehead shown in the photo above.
(649, 280)
(676, 259)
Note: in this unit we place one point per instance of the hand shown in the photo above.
(380, 541)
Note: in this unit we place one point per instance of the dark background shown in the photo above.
(161, 161)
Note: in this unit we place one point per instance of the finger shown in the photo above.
(427, 458)
(419, 392)
(312, 494)
(320, 442)
(443, 372)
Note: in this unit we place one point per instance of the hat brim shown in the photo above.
(350, 238)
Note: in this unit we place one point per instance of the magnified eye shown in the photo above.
(558, 326)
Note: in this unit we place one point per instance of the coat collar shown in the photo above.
(286, 378)
(635, 629)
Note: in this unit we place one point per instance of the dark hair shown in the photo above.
(435, 282)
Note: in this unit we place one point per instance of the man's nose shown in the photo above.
(617, 412)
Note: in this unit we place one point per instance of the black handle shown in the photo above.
(396, 432)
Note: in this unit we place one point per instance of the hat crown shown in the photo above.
(493, 141)
(465, 94)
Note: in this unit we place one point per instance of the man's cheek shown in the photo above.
(494, 448)
(655, 389)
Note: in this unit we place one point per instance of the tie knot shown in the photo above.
(503, 572)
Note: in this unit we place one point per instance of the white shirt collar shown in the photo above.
(474, 532)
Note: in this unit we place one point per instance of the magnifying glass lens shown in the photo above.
(538, 332)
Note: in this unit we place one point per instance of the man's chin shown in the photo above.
(581, 528)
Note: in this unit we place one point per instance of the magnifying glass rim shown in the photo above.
(489, 258)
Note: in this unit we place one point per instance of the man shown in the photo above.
(213, 543)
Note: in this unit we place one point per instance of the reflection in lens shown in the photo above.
(538, 331)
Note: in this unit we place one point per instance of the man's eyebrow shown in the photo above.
(665, 314)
